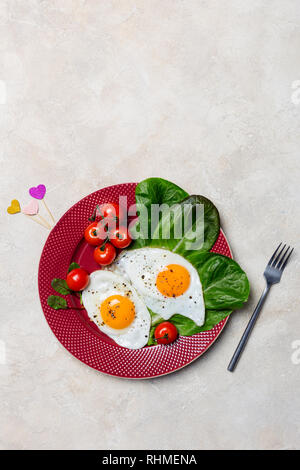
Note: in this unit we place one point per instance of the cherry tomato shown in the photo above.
(77, 279)
(105, 254)
(120, 237)
(91, 234)
(165, 333)
(111, 211)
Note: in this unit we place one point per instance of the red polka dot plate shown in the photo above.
(73, 328)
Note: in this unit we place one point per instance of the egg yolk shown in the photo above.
(117, 311)
(173, 281)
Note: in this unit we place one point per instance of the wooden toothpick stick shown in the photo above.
(38, 221)
(48, 210)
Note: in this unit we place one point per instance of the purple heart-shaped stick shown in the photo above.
(38, 192)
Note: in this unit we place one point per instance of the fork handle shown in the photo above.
(249, 327)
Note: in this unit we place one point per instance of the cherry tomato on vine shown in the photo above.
(91, 234)
(77, 279)
(112, 211)
(105, 254)
(120, 237)
(165, 333)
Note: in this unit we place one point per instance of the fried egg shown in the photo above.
(115, 307)
(167, 282)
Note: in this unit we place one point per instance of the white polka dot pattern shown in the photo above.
(73, 332)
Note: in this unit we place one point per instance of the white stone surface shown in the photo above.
(205, 93)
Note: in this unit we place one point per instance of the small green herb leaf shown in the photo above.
(60, 286)
(73, 266)
(56, 302)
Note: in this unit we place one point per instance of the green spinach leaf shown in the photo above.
(178, 207)
(73, 266)
(153, 191)
(60, 286)
(158, 191)
(224, 283)
(56, 302)
(201, 233)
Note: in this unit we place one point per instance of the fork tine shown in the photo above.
(282, 258)
(285, 263)
(278, 256)
(274, 254)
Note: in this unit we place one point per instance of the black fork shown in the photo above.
(272, 274)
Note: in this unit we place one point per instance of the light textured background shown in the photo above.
(205, 93)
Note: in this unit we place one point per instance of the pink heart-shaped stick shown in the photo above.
(38, 192)
(32, 208)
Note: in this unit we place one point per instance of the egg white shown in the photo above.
(141, 268)
(102, 285)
